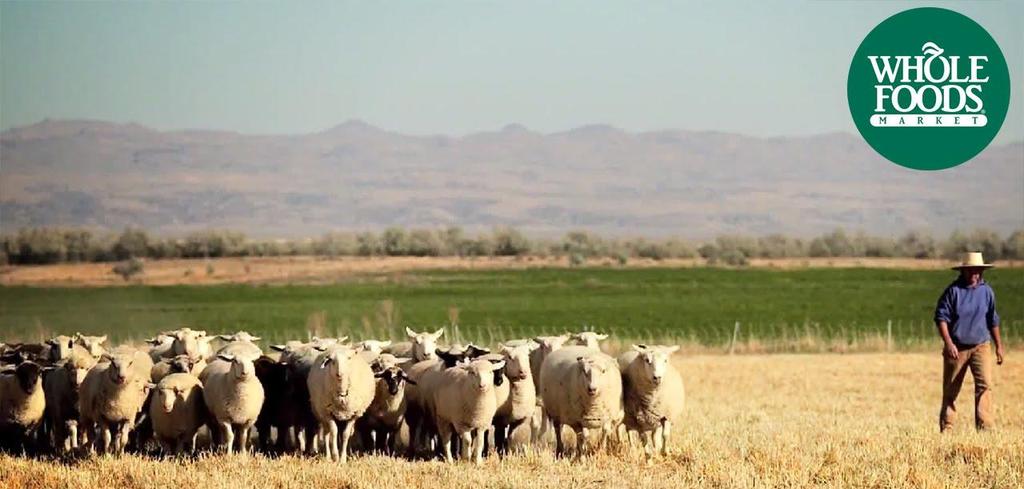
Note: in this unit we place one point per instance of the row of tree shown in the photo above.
(57, 245)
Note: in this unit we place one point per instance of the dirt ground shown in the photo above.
(306, 269)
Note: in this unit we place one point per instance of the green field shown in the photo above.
(699, 305)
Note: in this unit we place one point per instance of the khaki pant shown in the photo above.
(979, 360)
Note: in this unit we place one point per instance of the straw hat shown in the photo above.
(972, 259)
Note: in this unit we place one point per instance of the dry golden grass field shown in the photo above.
(308, 269)
(864, 420)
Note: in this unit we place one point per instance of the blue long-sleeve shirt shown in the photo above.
(969, 311)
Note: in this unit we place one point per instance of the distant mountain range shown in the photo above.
(355, 177)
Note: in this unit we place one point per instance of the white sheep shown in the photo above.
(177, 410)
(160, 346)
(341, 387)
(233, 396)
(92, 343)
(589, 339)
(420, 347)
(22, 403)
(516, 398)
(581, 388)
(190, 342)
(545, 346)
(465, 405)
(177, 364)
(653, 393)
(59, 348)
(241, 344)
(112, 395)
(384, 417)
(374, 346)
(62, 386)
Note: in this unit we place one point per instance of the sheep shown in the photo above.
(189, 342)
(233, 396)
(589, 339)
(277, 411)
(420, 402)
(420, 347)
(92, 343)
(374, 346)
(160, 346)
(22, 404)
(465, 405)
(545, 346)
(177, 364)
(61, 387)
(241, 344)
(177, 411)
(385, 415)
(653, 394)
(299, 359)
(59, 348)
(112, 395)
(581, 388)
(516, 398)
(341, 388)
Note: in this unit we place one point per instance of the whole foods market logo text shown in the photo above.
(929, 90)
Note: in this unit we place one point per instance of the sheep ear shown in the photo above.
(439, 333)
(277, 347)
(201, 333)
(227, 357)
(225, 337)
(107, 357)
(342, 339)
(325, 362)
(206, 339)
(639, 347)
(410, 333)
(672, 349)
(538, 340)
(378, 374)
(52, 342)
(497, 365)
(385, 344)
(602, 337)
(102, 339)
(255, 338)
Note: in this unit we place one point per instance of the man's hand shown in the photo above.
(952, 353)
(999, 355)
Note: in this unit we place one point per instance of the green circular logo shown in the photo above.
(928, 88)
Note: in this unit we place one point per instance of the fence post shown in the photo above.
(888, 331)
(735, 333)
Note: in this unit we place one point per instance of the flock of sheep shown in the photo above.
(70, 395)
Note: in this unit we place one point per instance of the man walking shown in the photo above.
(967, 321)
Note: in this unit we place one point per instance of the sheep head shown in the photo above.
(654, 361)
(424, 345)
(593, 370)
(241, 368)
(589, 339)
(549, 344)
(29, 376)
(517, 362)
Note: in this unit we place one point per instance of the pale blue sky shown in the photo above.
(759, 68)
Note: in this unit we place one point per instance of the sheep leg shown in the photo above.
(330, 439)
(105, 438)
(346, 435)
(666, 431)
(512, 427)
(243, 438)
(559, 444)
(124, 431)
(466, 447)
(229, 436)
(445, 431)
(478, 445)
(581, 442)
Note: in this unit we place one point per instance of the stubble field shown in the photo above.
(862, 420)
